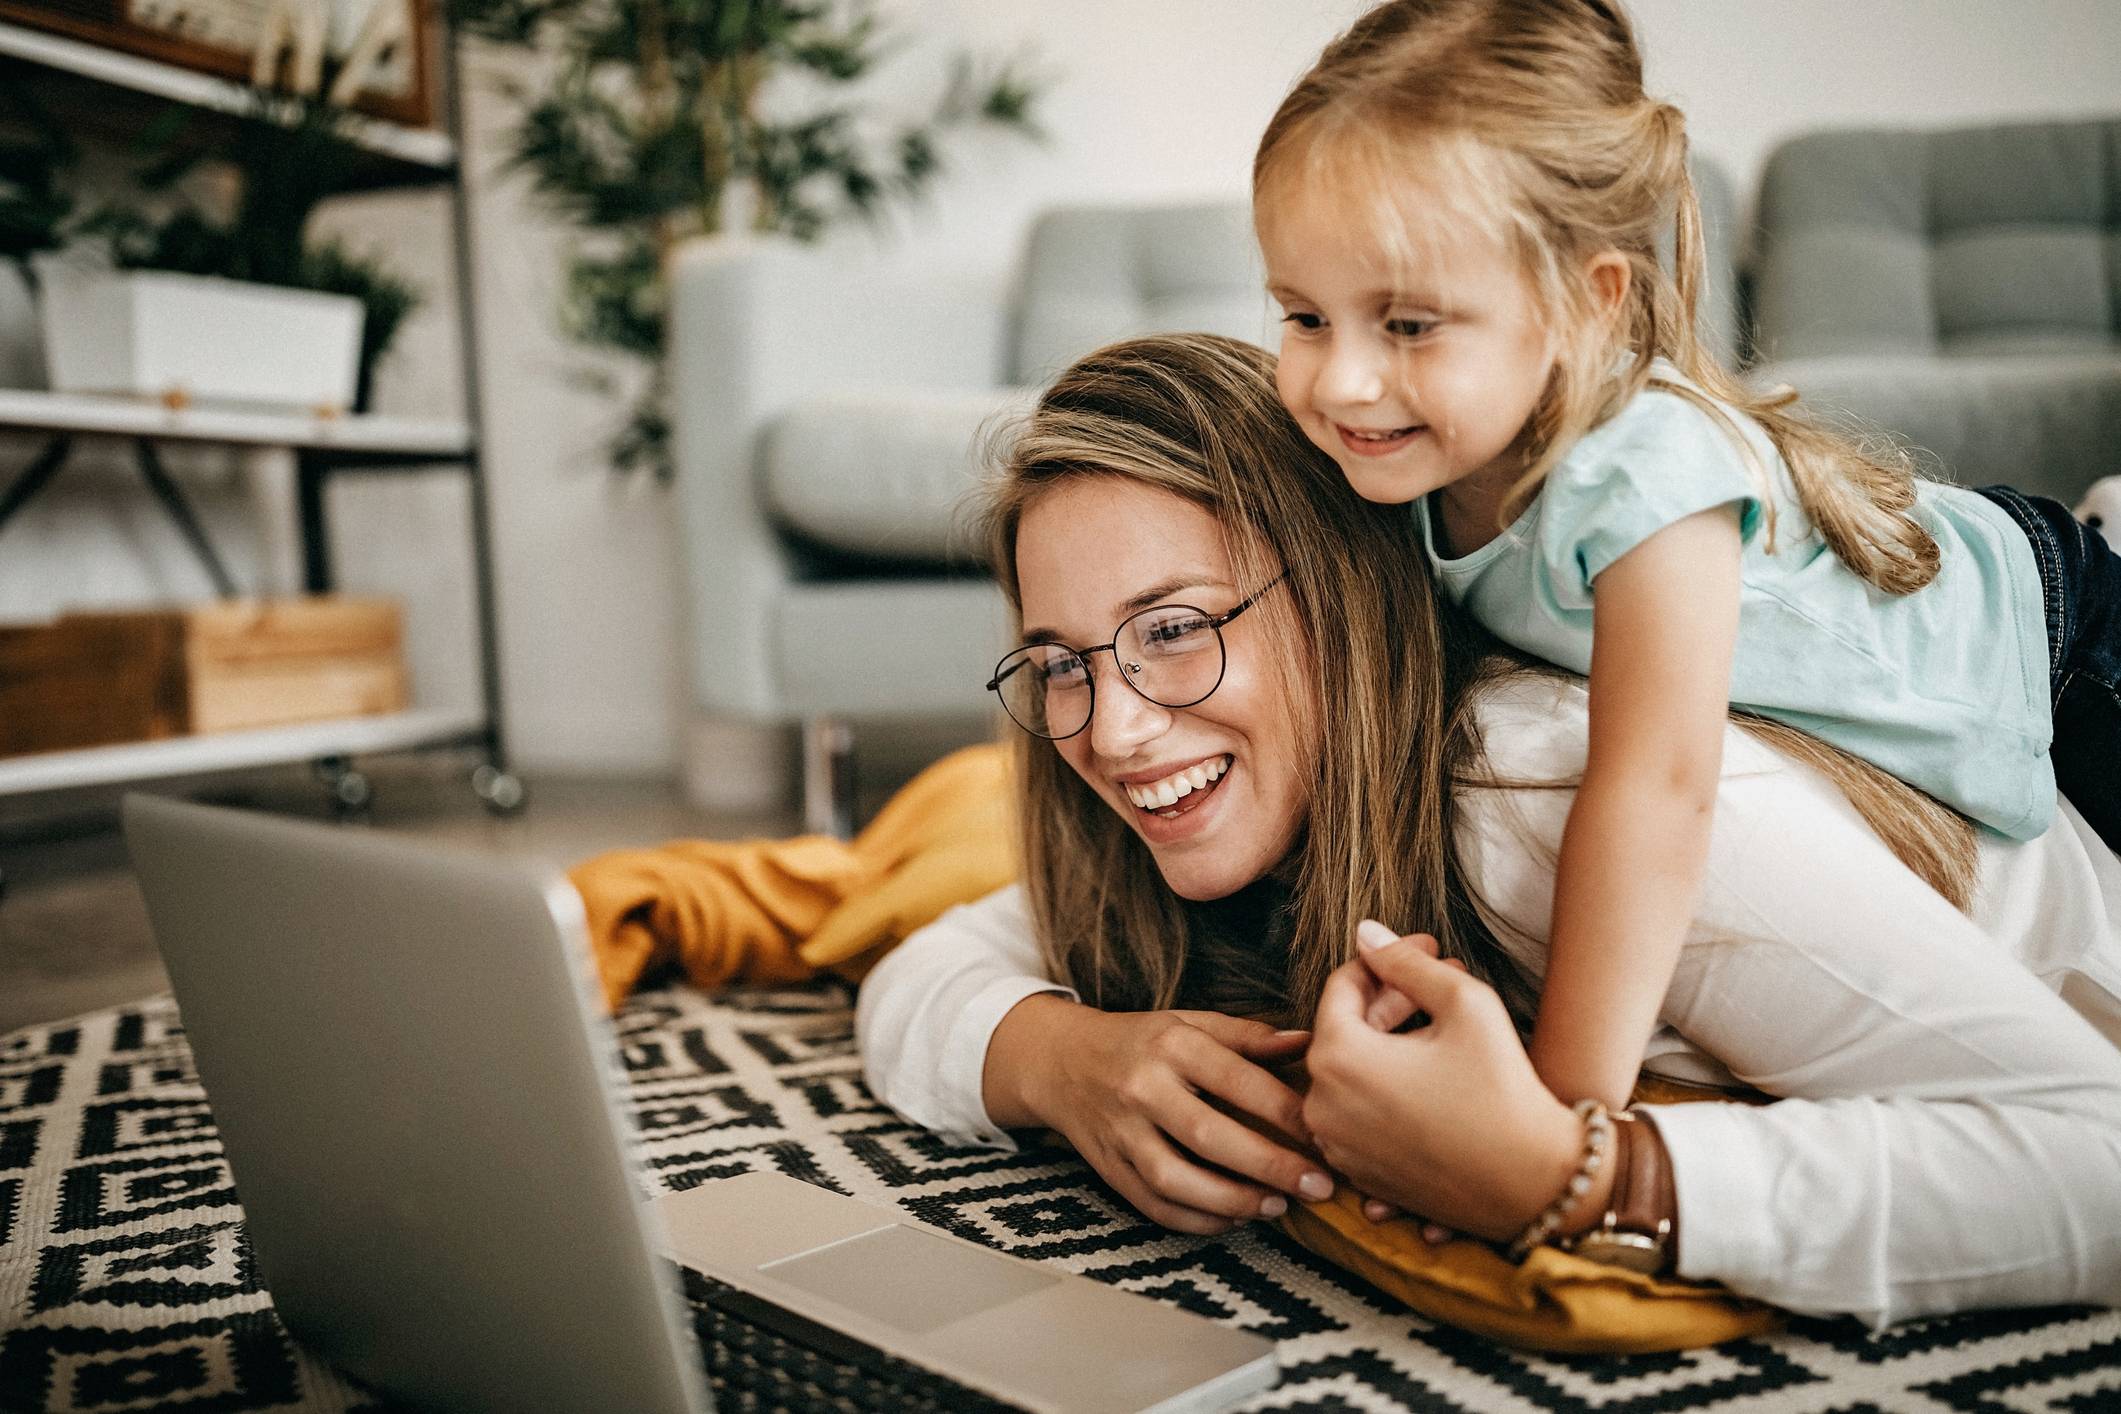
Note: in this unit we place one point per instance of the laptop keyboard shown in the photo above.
(764, 1360)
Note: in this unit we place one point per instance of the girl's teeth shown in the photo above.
(1197, 777)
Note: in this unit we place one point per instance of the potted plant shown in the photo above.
(236, 304)
(651, 122)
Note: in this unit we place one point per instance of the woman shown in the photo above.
(1285, 735)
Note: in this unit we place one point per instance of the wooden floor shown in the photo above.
(73, 930)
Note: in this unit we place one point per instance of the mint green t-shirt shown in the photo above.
(1946, 688)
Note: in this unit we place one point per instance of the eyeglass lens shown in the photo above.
(1172, 655)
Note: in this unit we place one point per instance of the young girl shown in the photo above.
(1460, 207)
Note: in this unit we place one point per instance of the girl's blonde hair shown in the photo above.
(1380, 674)
(1535, 110)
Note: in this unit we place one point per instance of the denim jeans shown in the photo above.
(2081, 577)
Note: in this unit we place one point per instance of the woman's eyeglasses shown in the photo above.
(1171, 655)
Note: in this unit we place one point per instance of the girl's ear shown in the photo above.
(1607, 276)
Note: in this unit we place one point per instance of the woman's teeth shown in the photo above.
(1159, 795)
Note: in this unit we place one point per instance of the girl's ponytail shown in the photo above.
(1859, 500)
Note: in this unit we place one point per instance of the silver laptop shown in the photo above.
(417, 1093)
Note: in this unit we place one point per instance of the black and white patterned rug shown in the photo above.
(126, 1283)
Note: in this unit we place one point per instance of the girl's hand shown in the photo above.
(1132, 1092)
(1379, 1211)
(1392, 1008)
(1389, 1010)
(1449, 1120)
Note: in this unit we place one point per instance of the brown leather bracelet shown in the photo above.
(1640, 1227)
(1651, 1197)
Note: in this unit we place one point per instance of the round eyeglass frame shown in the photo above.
(1214, 622)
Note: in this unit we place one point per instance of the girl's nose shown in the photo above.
(1123, 720)
(1353, 374)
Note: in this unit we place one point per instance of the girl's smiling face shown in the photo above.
(1096, 549)
(1411, 379)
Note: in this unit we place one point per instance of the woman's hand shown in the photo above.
(1132, 1092)
(1448, 1120)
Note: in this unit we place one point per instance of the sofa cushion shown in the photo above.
(941, 637)
(2046, 423)
(1092, 276)
(886, 473)
(1901, 242)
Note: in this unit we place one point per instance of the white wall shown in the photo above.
(1152, 99)
(1750, 75)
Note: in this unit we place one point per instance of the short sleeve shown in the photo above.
(1661, 460)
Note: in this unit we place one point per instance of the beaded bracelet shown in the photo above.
(1597, 1139)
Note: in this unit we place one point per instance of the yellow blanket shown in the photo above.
(781, 910)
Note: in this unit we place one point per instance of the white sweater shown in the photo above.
(1953, 1133)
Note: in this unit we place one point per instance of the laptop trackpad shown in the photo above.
(912, 1281)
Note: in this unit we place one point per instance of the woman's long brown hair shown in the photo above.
(1376, 671)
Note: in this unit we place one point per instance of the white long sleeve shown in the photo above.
(927, 1011)
(1954, 1139)
(1954, 1136)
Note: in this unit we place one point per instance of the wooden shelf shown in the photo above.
(442, 438)
(114, 96)
(229, 751)
(419, 147)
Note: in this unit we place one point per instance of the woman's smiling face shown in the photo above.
(1093, 551)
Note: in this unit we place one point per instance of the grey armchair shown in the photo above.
(1960, 290)
(827, 417)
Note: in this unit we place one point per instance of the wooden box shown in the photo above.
(91, 680)
(268, 662)
(95, 679)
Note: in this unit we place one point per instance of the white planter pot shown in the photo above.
(194, 338)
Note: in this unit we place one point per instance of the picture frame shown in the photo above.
(288, 44)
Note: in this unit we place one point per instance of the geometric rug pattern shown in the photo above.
(126, 1283)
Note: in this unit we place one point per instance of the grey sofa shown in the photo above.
(1959, 290)
(828, 426)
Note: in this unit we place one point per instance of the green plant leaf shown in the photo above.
(650, 109)
(36, 158)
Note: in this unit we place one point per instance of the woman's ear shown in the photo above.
(1607, 275)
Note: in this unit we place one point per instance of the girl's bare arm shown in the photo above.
(1665, 625)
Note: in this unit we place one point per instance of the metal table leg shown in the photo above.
(180, 511)
(34, 476)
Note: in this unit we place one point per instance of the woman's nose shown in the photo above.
(1122, 719)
